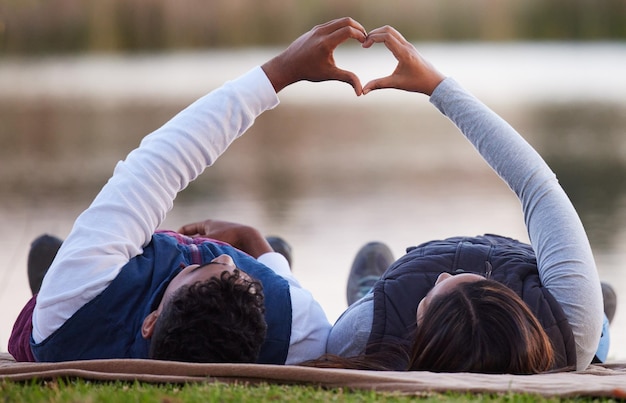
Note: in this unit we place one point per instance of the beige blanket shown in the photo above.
(608, 380)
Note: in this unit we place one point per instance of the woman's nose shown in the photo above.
(442, 277)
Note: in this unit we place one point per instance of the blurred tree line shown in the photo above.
(64, 26)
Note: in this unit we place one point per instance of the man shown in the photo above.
(215, 291)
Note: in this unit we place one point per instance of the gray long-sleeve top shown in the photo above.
(564, 257)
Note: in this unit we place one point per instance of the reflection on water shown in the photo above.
(328, 176)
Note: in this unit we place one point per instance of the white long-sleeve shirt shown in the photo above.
(134, 202)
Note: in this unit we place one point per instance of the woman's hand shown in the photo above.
(413, 72)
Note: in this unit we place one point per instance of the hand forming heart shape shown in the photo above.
(411, 73)
(366, 64)
(311, 58)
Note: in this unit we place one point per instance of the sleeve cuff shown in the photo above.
(257, 83)
(276, 262)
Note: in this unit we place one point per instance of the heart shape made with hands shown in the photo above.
(368, 64)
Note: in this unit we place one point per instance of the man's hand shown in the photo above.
(413, 72)
(242, 237)
(310, 57)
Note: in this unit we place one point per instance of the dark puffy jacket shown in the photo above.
(406, 282)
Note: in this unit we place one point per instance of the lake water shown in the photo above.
(326, 170)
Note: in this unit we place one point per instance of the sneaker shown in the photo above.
(40, 257)
(369, 264)
(281, 246)
(610, 300)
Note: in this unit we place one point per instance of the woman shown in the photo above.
(482, 304)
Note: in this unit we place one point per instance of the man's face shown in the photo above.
(196, 273)
(191, 275)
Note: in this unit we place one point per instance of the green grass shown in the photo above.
(85, 391)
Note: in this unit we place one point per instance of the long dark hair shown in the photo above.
(480, 326)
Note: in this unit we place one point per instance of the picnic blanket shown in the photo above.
(606, 380)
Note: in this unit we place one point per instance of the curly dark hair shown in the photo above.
(217, 320)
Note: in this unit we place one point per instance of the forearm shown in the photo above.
(564, 256)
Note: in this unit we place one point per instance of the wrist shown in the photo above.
(274, 69)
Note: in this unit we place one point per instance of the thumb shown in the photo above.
(191, 229)
(377, 84)
(350, 78)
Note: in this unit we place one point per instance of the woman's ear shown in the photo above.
(147, 328)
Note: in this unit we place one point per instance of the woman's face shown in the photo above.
(445, 283)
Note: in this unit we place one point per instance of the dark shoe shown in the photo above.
(369, 264)
(610, 300)
(281, 246)
(40, 257)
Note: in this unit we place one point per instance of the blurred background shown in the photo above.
(82, 82)
(69, 26)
